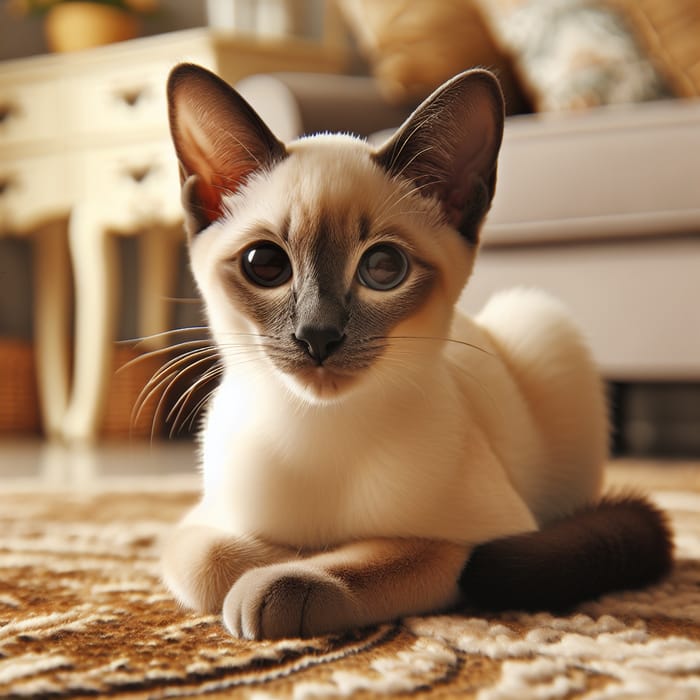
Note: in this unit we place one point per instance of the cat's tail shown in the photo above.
(621, 542)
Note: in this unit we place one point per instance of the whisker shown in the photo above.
(173, 379)
(209, 376)
(398, 362)
(182, 300)
(166, 376)
(440, 339)
(218, 366)
(188, 392)
(167, 332)
(161, 351)
(181, 403)
(182, 359)
(244, 334)
(162, 376)
(190, 417)
(149, 391)
(480, 385)
(136, 343)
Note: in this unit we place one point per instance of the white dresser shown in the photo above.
(85, 155)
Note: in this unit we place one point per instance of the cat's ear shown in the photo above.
(219, 139)
(448, 148)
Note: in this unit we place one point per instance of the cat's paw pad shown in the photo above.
(287, 601)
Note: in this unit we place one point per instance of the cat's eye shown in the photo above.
(383, 267)
(266, 265)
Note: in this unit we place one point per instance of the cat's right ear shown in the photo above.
(219, 139)
(449, 146)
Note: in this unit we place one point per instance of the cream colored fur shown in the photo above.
(337, 493)
(456, 443)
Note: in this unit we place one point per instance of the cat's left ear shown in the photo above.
(449, 146)
(219, 139)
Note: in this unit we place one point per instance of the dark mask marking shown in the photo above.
(321, 295)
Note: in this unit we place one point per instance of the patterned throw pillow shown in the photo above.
(670, 31)
(572, 54)
(415, 45)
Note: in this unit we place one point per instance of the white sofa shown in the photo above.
(601, 207)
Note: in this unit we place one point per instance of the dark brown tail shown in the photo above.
(619, 543)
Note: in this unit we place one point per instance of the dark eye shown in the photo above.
(267, 265)
(382, 267)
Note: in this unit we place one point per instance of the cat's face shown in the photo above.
(331, 276)
(336, 262)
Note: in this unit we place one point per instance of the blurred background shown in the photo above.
(599, 198)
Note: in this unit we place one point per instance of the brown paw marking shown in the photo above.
(287, 600)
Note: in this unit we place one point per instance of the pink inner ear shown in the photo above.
(192, 146)
(208, 201)
(217, 139)
(221, 167)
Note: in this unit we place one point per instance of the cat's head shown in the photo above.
(328, 256)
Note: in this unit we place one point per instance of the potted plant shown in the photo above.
(72, 25)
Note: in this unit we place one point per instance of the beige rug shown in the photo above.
(82, 613)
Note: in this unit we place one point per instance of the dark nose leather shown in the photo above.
(320, 342)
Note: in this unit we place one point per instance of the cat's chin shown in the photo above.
(321, 385)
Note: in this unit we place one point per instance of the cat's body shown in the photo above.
(365, 436)
(309, 477)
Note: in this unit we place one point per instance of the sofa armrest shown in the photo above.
(294, 104)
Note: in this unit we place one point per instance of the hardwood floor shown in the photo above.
(27, 464)
(30, 464)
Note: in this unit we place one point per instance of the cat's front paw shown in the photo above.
(287, 600)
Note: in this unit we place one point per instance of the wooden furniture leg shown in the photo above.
(95, 265)
(158, 251)
(52, 290)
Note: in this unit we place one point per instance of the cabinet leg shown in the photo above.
(52, 289)
(95, 265)
(159, 248)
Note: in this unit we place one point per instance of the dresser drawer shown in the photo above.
(32, 189)
(119, 101)
(134, 184)
(29, 112)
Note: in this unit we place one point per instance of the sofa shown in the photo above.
(599, 206)
(598, 198)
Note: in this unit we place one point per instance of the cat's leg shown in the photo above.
(200, 563)
(357, 584)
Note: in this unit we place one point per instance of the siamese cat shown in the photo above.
(371, 452)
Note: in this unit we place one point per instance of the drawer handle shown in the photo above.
(132, 97)
(6, 183)
(6, 111)
(139, 174)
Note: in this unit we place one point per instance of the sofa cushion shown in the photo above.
(413, 46)
(670, 32)
(635, 299)
(608, 172)
(611, 171)
(573, 54)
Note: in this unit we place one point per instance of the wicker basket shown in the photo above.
(133, 370)
(134, 412)
(19, 399)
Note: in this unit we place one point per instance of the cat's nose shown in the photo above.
(319, 341)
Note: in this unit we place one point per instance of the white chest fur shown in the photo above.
(487, 445)
(415, 464)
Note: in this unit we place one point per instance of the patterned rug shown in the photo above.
(82, 613)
